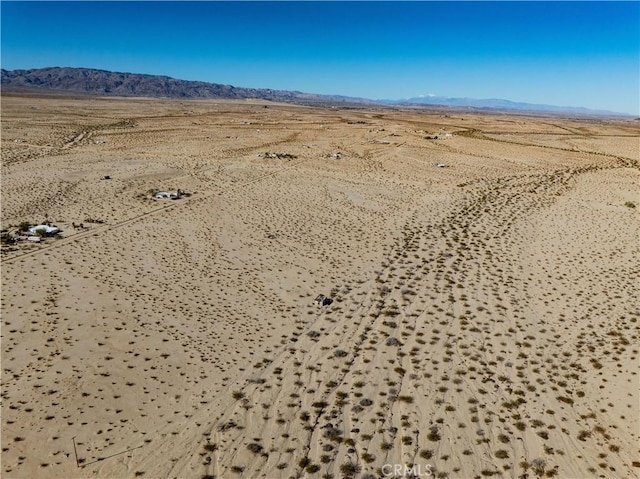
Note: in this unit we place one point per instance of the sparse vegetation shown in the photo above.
(465, 329)
(350, 469)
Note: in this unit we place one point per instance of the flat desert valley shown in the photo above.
(482, 271)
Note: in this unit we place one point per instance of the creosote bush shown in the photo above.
(350, 469)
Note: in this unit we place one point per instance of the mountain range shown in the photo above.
(107, 83)
(496, 104)
(101, 82)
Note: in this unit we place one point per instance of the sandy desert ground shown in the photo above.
(485, 314)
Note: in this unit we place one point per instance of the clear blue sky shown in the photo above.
(560, 53)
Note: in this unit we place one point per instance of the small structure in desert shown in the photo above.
(44, 230)
(169, 195)
(322, 300)
(439, 136)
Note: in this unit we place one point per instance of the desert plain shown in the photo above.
(482, 267)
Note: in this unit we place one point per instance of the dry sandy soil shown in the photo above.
(485, 314)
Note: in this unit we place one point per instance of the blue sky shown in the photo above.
(559, 53)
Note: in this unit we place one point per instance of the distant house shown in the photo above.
(44, 230)
(439, 136)
(170, 195)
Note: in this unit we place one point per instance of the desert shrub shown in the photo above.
(237, 395)
(333, 434)
(386, 446)
(565, 399)
(350, 469)
(426, 454)
(434, 435)
(583, 435)
(489, 473)
(407, 399)
(255, 447)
